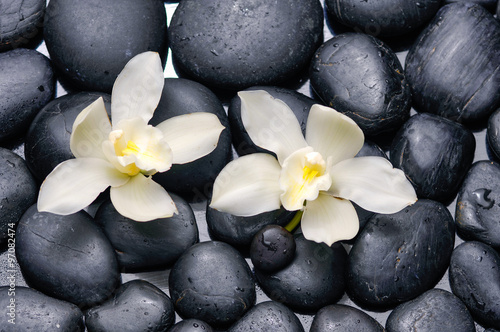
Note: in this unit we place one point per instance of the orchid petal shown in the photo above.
(90, 129)
(373, 184)
(191, 136)
(270, 123)
(75, 183)
(333, 134)
(142, 199)
(138, 88)
(248, 186)
(329, 219)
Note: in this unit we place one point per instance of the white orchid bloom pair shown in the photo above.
(317, 174)
(125, 153)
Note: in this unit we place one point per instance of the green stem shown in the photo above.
(295, 221)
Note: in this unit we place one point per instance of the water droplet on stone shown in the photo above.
(482, 199)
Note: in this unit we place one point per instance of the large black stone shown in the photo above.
(21, 23)
(339, 317)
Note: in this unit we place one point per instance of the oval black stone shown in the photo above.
(26, 309)
(434, 311)
(313, 279)
(66, 257)
(435, 153)
(233, 44)
(268, 316)
(138, 304)
(149, 245)
(22, 23)
(344, 318)
(272, 248)
(453, 65)
(212, 282)
(361, 77)
(493, 132)
(475, 278)
(399, 256)
(26, 85)
(91, 41)
(191, 325)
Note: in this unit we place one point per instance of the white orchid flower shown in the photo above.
(125, 153)
(317, 175)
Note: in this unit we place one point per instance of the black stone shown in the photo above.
(453, 65)
(193, 180)
(26, 85)
(149, 245)
(272, 248)
(491, 5)
(91, 41)
(435, 153)
(66, 257)
(493, 133)
(361, 77)
(26, 309)
(315, 278)
(233, 44)
(475, 278)
(212, 282)
(191, 325)
(268, 316)
(339, 317)
(434, 311)
(399, 256)
(136, 306)
(22, 23)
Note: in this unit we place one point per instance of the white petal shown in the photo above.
(248, 186)
(75, 183)
(270, 123)
(333, 134)
(138, 88)
(191, 136)
(142, 199)
(328, 219)
(90, 129)
(373, 184)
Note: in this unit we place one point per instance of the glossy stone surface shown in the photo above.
(272, 248)
(339, 317)
(191, 325)
(21, 23)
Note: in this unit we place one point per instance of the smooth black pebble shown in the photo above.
(272, 248)
(191, 325)
(493, 132)
(340, 317)
(22, 23)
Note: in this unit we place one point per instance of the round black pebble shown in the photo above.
(136, 306)
(268, 316)
(66, 257)
(399, 256)
(361, 77)
(47, 139)
(453, 66)
(212, 282)
(475, 278)
(149, 245)
(434, 311)
(191, 325)
(272, 248)
(241, 43)
(18, 191)
(493, 132)
(22, 22)
(91, 41)
(26, 309)
(313, 279)
(435, 153)
(339, 317)
(26, 85)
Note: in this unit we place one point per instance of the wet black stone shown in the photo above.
(434, 311)
(399, 256)
(91, 41)
(31, 310)
(475, 278)
(435, 153)
(361, 77)
(212, 282)
(22, 22)
(149, 245)
(493, 132)
(26, 85)
(339, 317)
(191, 325)
(18, 191)
(193, 180)
(136, 306)
(234, 44)
(272, 248)
(268, 316)
(477, 207)
(66, 257)
(315, 278)
(453, 65)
